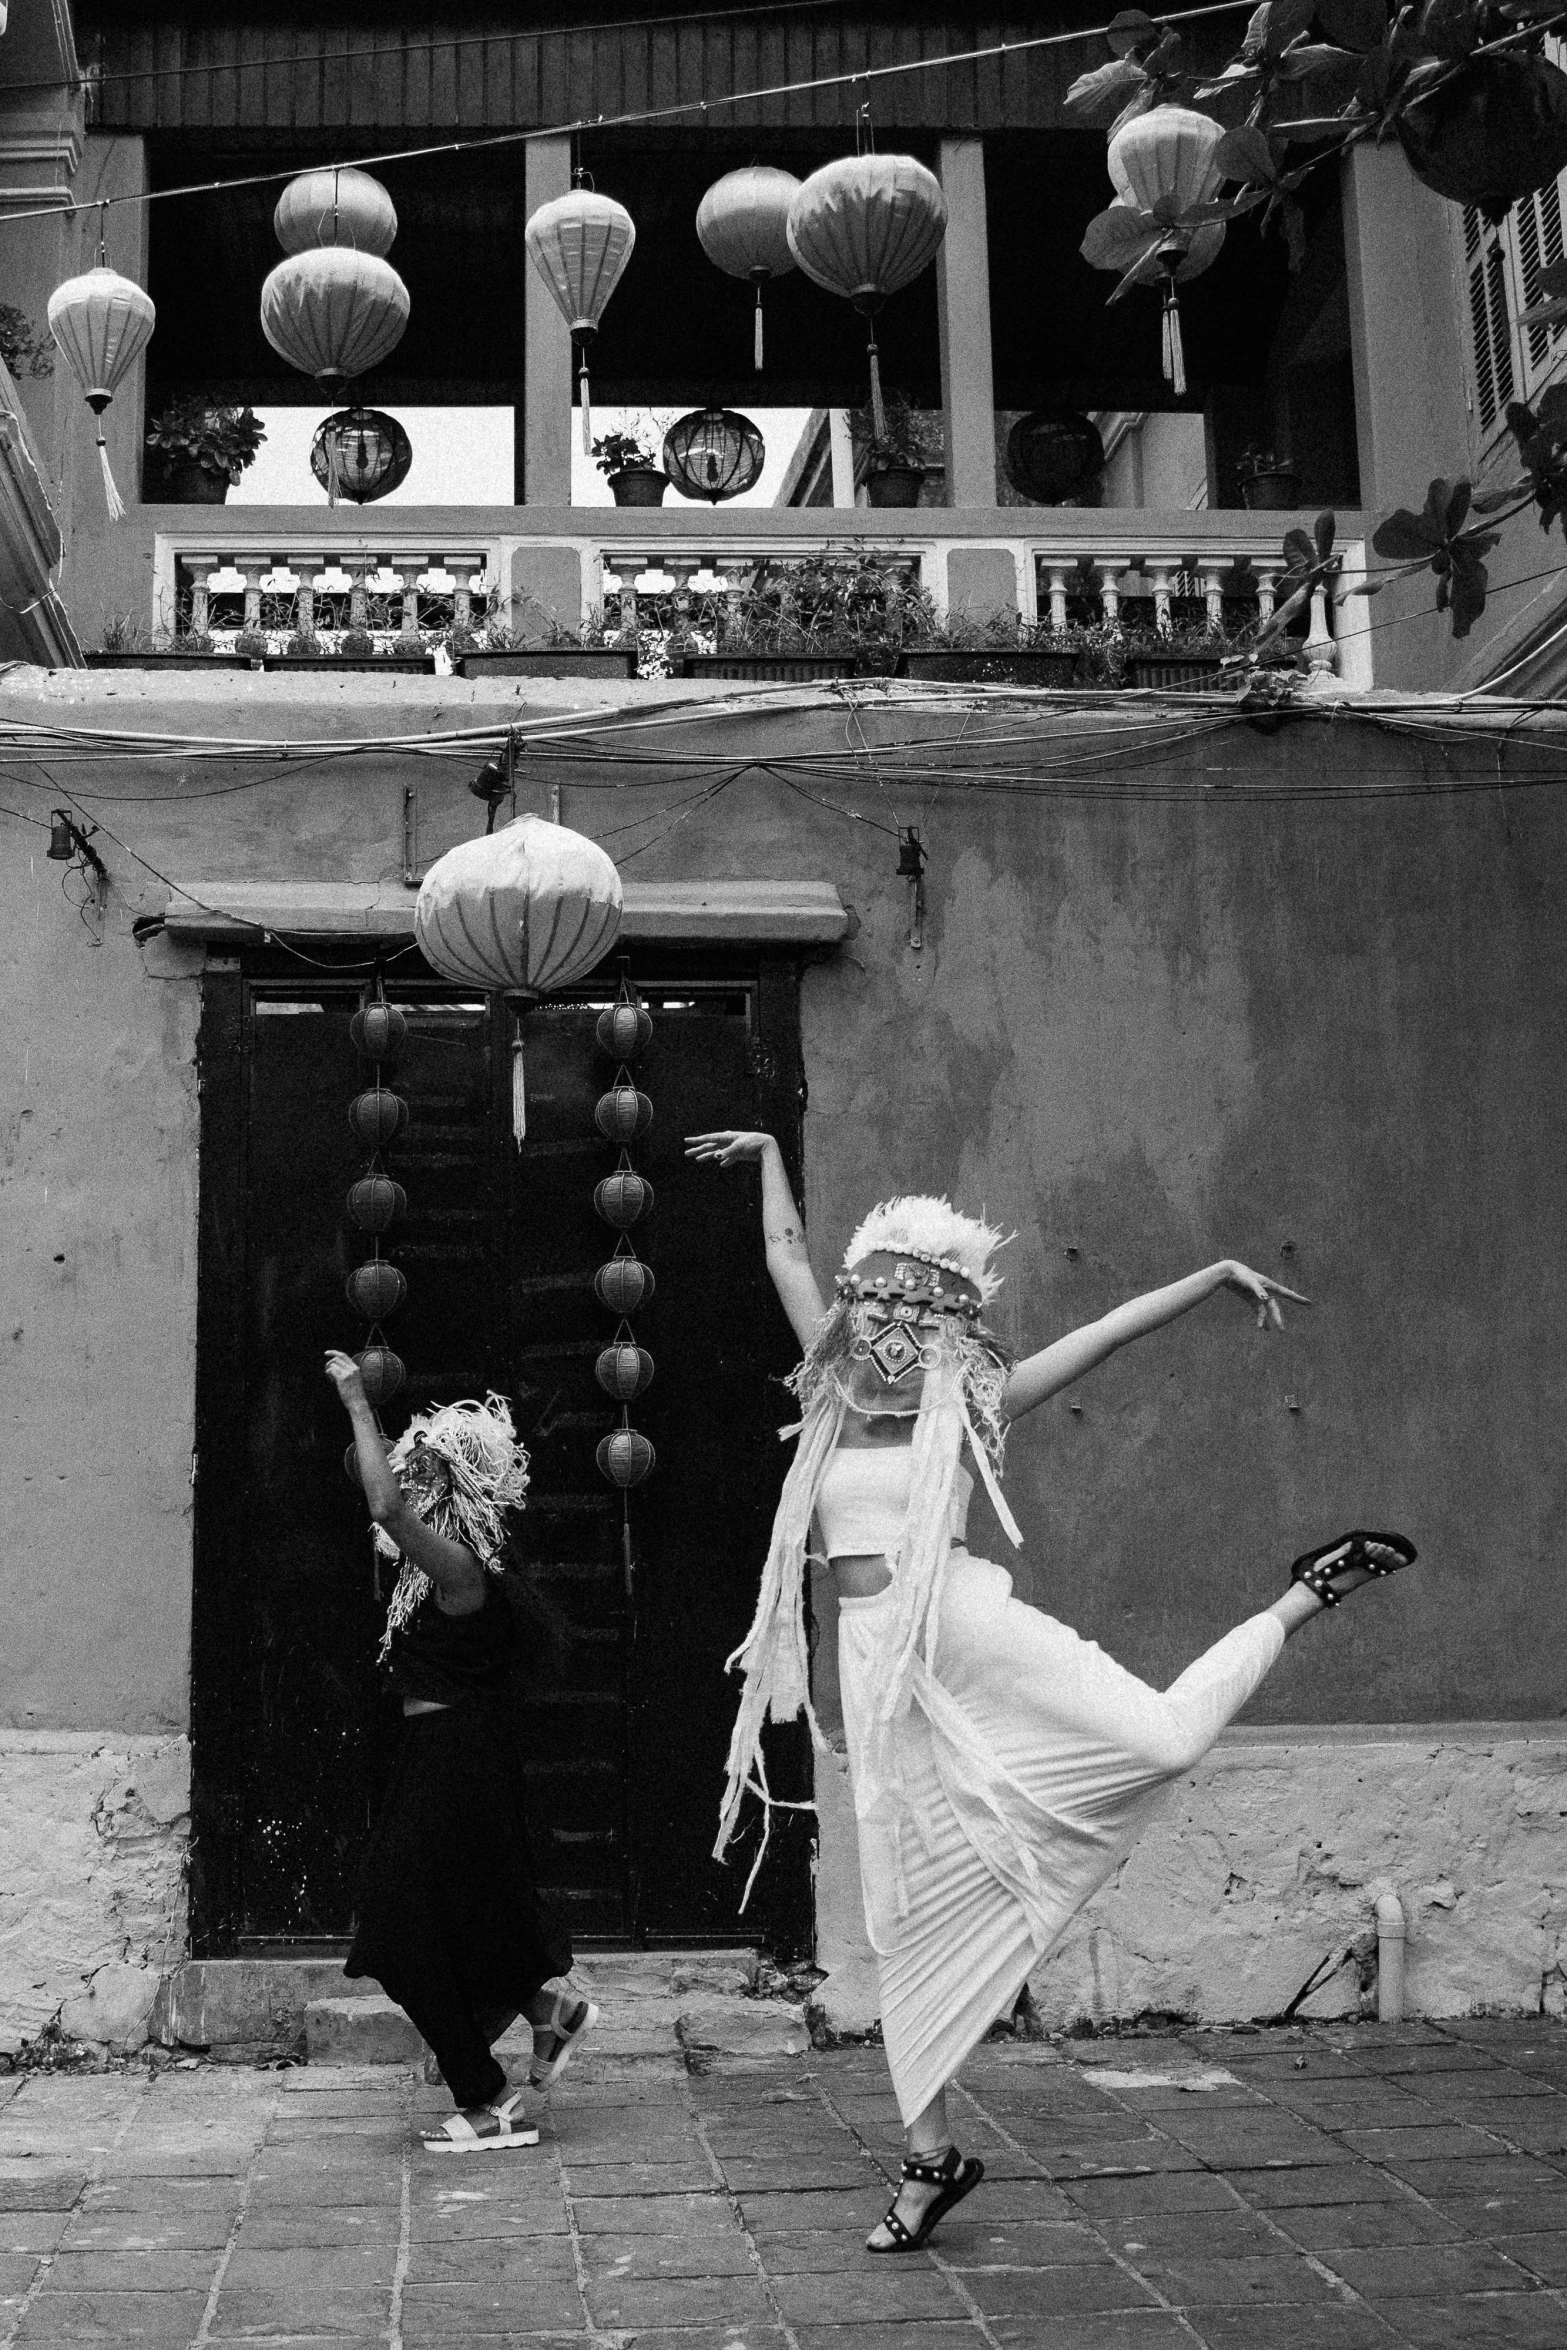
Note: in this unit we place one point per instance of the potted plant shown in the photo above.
(554, 652)
(1269, 484)
(839, 616)
(898, 457)
(129, 644)
(631, 468)
(1004, 650)
(202, 448)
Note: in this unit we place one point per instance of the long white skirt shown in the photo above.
(1073, 1751)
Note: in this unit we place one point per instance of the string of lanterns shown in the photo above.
(624, 1369)
(376, 1289)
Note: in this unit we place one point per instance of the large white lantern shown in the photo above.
(336, 307)
(521, 912)
(101, 323)
(1163, 168)
(864, 227)
(335, 206)
(580, 244)
(742, 225)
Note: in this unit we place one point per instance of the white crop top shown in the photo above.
(864, 1496)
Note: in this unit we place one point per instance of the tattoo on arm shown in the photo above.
(790, 1232)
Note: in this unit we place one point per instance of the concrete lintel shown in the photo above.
(733, 913)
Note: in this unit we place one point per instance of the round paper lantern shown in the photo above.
(375, 1202)
(382, 1372)
(742, 225)
(1492, 134)
(1162, 166)
(335, 206)
(714, 453)
(334, 312)
(360, 453)
(625, 1457)
(863, 227)
(624, 1029)
(376, 1289)
(1056, 457)
(377, 1117)
(623, 1113)
(625, 1284)
(624, 1198)
(624, 1369)
(580, 244)
(377, 1030)
(101, 323)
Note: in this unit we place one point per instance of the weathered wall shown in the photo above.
(1145, 1031)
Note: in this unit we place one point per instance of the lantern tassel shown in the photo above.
(1174, 356)
(756, 353)
(519, 1090)
(111, 496)
(587, 409)
(878, 412)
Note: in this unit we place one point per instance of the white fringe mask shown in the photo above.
(486, 1478)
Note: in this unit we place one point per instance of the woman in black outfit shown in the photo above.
(450, 1922)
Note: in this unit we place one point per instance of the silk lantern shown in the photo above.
(335, 206)
(580, 243)
(1162, 165)
(523, 911)
(101, 323)
(864, 227)
(335, 307)
(742, 225)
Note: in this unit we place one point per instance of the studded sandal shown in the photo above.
(1373, 1554)
(954, 2175)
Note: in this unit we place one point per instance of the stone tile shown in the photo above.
(1355, 2182)
(1443, 2142)
(1479, 2088)
(1487, 2321)
(161, 2271)
(1499, 2174)
(456, 2312)
(1197, 2190)
(643, 2178)
(672, 2256)
(318, 2189)
(361, 2268)
(1004, 2199)
(965, 2242)
(478, 2260)
(1544, 2256)
(1234, 2141)
(820, 2248)
(877, 2290)
(1138, 2329)
(654, 2215)
(155, 2321)
(246, 2312)
(809, 2211)
(1112, 2158)
(52, 2190)
(17, 2271)
(1214, 2235)
(175, 2195)
(294, 2230)
(1329, 2326)
(1445, 2057)
(1505, 2215)
(1199, 2283)
(32, 2231)
(1055, 2292)
(632, 2303)
(840, 2171)
(758, 2336)
(1536, 2124)
(931, 2335)
(1406, 2272)
(1324, 2228)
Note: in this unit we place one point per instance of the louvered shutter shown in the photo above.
(1536, 223)
(1490, 322)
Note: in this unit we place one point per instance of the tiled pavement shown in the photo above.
(1336, 2188)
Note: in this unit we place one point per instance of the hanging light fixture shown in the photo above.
(1056, 457)
(864, 227)
(714, 453)
(101, 323)
(360, 453)
(1163, 167)
(335, 308)
(579, 244)
(742, 225)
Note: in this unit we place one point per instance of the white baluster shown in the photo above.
(463, 569)
(201, 568)
(358, 566)
(1159, 574)
(1056, 575)
(1321, 651)
(1212, 577)
(1267, 578)
(408, 638)
(252, 569)
(304, 568)
(1110, 578)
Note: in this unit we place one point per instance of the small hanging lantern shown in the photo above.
(1490, 133)
(624, 1369)
(625, 1284)
(520, 912)
(335, 205)
(714, 453)
(625, 1027)
(1056, 457)
(1163, 167)
(742, 224)
(622, 1114)
(378, 1030)
(361, 454)
(625, 1197)
(383, 1374)
(101, 323)
(864, 227)
(580, 244)
(625, 1457)
(377, 1117)
(376, 1289)
(375, 1202)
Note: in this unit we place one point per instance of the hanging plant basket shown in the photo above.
(895, 485)
(1023, 665)
(638, 485)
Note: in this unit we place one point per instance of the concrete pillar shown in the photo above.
(968, 392)
(1406, 309)
(546, 386)
(841, 445)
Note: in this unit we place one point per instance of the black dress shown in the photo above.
(450, 1921)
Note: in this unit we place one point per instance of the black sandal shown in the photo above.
(1316, 1569)
(956, 2177)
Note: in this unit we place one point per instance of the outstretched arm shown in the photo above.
(451, 1566)
(1044, 1374)
(783, 1227)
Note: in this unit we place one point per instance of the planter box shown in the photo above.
(774, 668)
(324, 664)
(589, 660)
(1173, 672)
(1023, 667)
(169, 661)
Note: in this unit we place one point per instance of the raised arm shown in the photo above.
(451, 1566)
(783, 1227)
(1044, 1374)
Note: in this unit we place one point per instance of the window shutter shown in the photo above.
(1489, 320)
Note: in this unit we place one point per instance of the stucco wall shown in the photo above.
(1144, 1031)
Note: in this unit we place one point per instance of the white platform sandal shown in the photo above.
(457, 2134)
(567, 2038)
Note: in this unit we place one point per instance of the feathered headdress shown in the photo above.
(486, 1476)
(933, 1231)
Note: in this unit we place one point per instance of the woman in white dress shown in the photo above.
(1001, 1766)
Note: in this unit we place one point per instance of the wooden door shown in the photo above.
(292, 1734)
